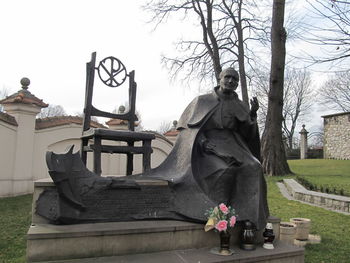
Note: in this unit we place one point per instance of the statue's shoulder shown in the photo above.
(202, 98)
(209, 96)
(197, 110)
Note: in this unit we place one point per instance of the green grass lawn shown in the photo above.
(334, 228)
(330, 175)
(15, 219)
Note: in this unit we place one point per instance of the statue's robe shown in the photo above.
(228, 172)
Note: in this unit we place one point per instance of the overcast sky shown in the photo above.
(50, 41)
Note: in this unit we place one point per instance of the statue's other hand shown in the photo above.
(254, 104)
(207, 147)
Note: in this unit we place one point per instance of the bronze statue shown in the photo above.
(214, 160)
(216, 156)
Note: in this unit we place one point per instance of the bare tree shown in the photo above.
(165, 126)
(51, 111)
(260, 88)
(273, 153)
(329, 28)
(297, 98)
(227, 28)
(239, 19)
(81, 115)
(316, 138)
(4, 92)
(335, 92)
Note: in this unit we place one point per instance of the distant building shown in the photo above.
(337, 136)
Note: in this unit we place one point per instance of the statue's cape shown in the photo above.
(177, 167)
(187, 197)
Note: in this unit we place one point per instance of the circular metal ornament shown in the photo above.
(112, 72)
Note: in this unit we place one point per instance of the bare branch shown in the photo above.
(329, 28)
(297, 97)
(335, 92)
(51, 111)
(228, 28)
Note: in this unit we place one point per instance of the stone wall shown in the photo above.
(8, 135)
(24, 141)
(19, 158)
(337, 136)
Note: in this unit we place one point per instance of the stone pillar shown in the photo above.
(24, 107)
(171, 135)
(303, 143)
(117, 124)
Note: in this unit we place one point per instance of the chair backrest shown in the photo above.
(112, 73)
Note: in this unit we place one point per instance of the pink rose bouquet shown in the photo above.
(220, 218)
(223, 208)
(221, 225)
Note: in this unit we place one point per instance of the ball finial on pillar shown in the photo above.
(25, 83)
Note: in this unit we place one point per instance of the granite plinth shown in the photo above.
(282, 253)
(58, 242)
(98, 241)
(120, 241)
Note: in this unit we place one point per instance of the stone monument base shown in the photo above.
(140, 241)
(53, 242)
(282, 254)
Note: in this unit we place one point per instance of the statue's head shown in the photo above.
(228, 80)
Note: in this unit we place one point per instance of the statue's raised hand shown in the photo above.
(254, 105)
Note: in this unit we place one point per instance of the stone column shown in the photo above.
(303, 143)
(24, 107)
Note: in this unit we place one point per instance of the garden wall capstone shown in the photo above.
(330, 201)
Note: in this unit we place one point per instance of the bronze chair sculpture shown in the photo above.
(108, 70)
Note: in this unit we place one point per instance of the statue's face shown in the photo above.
(229, 80)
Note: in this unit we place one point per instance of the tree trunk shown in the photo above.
(290, 142)
(207, 30)
(240, 45)
(241, 59)
(273, 153)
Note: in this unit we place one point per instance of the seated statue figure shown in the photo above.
(214, 160)
(216, 156)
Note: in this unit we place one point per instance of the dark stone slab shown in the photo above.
(81, 196)
(105, 203)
